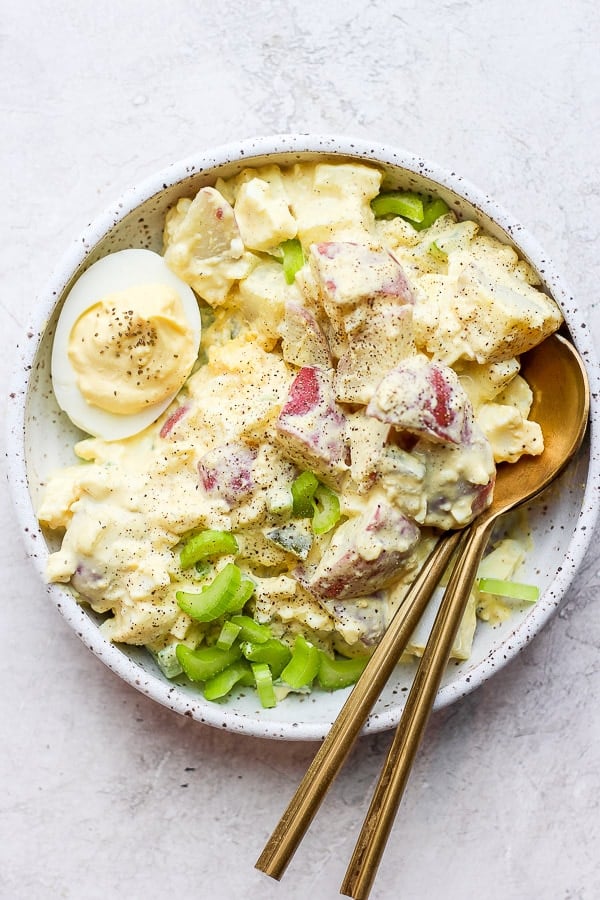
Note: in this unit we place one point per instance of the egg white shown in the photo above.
(116, 272)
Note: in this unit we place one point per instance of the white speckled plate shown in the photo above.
(41, 438)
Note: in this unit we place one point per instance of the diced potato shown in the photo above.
(425, 399)
(350, 279)
(262, 298)
(203, 245)
(366, 553)
(384, 339)
(263, 215)
(481, 314)
(366, 437)
(332, 201)
(303, 342)
(484, 382)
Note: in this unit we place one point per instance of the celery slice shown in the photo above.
(513, 590)
(241, 596)
(205, 544)
(166, 659)
(303, 489)
(304, 664)
(432, 211)
(221, 684)
(272, 652)
(398, 203)
(292, 258)
(339, 672)
(326, 507)
(438, 254)
(228, 635)
(205, 662)
(216, 599)
(264, 685)
(250, 630)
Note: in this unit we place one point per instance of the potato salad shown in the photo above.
(354, 383)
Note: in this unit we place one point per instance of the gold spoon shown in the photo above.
(560, 404)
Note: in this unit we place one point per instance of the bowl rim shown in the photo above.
(204, 160)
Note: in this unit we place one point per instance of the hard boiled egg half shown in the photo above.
(126, 340)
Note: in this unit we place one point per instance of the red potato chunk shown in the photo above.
(226, 472)
(209, 225)
(447, 477)
(350, 278)
(311, 428)
(426, 399)
(366, 553)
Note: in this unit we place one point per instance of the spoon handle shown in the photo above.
(335, 748)
(392, 781)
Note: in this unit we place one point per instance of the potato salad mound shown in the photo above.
(357, 382)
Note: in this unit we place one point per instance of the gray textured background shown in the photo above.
(102, 793)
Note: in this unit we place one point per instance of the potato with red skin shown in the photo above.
(172, 420)
(226, 472)
(366, 554)
(350, 279)
(426, 399)
(311, 428)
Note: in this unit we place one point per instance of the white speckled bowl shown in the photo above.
(41, 438)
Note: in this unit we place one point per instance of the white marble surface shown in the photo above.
(104, 794)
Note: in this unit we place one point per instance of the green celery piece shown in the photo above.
(247, 679)
(264, 685)
(220, 685)
(206, 662)
(272, 652)
(398, 203)
(339, 672)
(241, 596)
(511, 590)
(303, 489)
(206, 544)
(432, 211)
(326, 507)
(167, 661)
(228, 635)
(215, 599)
(304, 664)
(292, 258)
(250, 630)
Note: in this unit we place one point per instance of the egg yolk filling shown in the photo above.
(132, 349)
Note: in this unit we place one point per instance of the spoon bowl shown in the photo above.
(561, 401)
